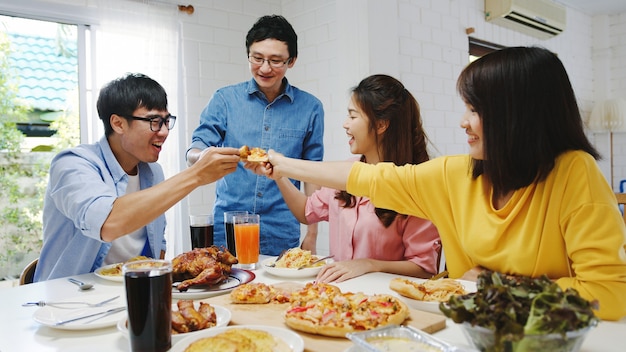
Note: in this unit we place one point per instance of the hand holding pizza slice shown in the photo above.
(253, 154)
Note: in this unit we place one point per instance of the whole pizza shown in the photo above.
(323, 309)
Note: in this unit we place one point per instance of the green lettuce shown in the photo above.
(516, 306)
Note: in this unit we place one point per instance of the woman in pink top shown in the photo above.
(383, 125)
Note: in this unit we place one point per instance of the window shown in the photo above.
(44, 70)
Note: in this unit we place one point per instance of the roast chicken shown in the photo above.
(202, 266)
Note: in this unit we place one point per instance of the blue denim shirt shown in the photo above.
(292, 124)
(84, 183)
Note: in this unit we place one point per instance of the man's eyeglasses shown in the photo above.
(157, 122)
(274, 63)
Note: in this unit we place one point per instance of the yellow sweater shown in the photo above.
(567, 227)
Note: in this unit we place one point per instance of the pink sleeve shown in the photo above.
(317, 205)
(421, 242)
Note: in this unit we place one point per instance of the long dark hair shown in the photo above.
(529, 115)
(384, 98)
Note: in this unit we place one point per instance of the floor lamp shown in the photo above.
(609, 116)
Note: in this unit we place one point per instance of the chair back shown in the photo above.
(621, 200)
(27, 275)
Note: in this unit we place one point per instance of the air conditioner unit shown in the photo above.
(540, 18)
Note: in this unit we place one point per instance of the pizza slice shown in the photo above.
(342, 313)
(252, 293)
(253, 154)
(430, 290)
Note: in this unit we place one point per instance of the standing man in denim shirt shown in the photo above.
(269, 113)
(105, 202)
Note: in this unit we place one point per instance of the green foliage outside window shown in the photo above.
(23, 174)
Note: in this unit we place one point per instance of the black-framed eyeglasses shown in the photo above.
(157, 122)
(274, 63)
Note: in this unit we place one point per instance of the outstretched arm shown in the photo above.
(296, 200)
(134, 210)
(333, 174)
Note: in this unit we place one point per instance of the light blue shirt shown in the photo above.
(292, 124)
(84, 183)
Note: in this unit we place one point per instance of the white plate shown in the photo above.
(49, 315)
(236, 278)
(289, 272)
(223, 318)
(115, 278)
(289, 337)
(430, 306)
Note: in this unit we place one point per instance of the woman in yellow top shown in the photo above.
(529, 199)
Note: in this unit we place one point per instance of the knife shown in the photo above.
(105, 313)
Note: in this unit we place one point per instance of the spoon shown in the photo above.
(83, 286)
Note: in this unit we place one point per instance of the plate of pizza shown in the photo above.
(235, 278)
(425, 295)
(242, 338)
(255, 154)
(322, 309)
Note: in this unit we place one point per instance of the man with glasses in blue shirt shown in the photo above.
(269, 113)
(105, 202)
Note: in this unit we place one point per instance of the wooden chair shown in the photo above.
(621, 199)
(26, 277)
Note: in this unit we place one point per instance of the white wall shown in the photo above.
(421, 42)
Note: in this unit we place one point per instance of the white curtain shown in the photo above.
(144, 37)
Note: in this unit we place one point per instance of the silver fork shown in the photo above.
(59, 304)
(277, 258)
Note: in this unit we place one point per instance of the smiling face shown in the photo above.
(134, 142)
(269, 78)
(473, 125)
(362, 137)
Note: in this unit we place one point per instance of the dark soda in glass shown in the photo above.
(230, 237)
(201, 236)
(230, 228)
(149, 301)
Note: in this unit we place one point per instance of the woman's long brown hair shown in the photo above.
(384, 98)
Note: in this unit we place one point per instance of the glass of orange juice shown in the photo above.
(247, 229)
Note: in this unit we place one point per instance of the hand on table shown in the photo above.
(344, 270)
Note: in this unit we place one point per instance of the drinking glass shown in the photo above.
(229, 227)
(149, 304)
(247, 240)
(201, 228)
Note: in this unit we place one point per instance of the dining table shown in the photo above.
(19, 331)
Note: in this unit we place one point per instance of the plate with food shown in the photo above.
(307, 304)
(234, 279)
(425, 295)
(397, 338)
(242, 338)
(288, 263)
(190, 318)
(113, 272)
(51, 315)
(206, 272)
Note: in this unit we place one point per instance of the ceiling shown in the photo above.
(596, 7)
